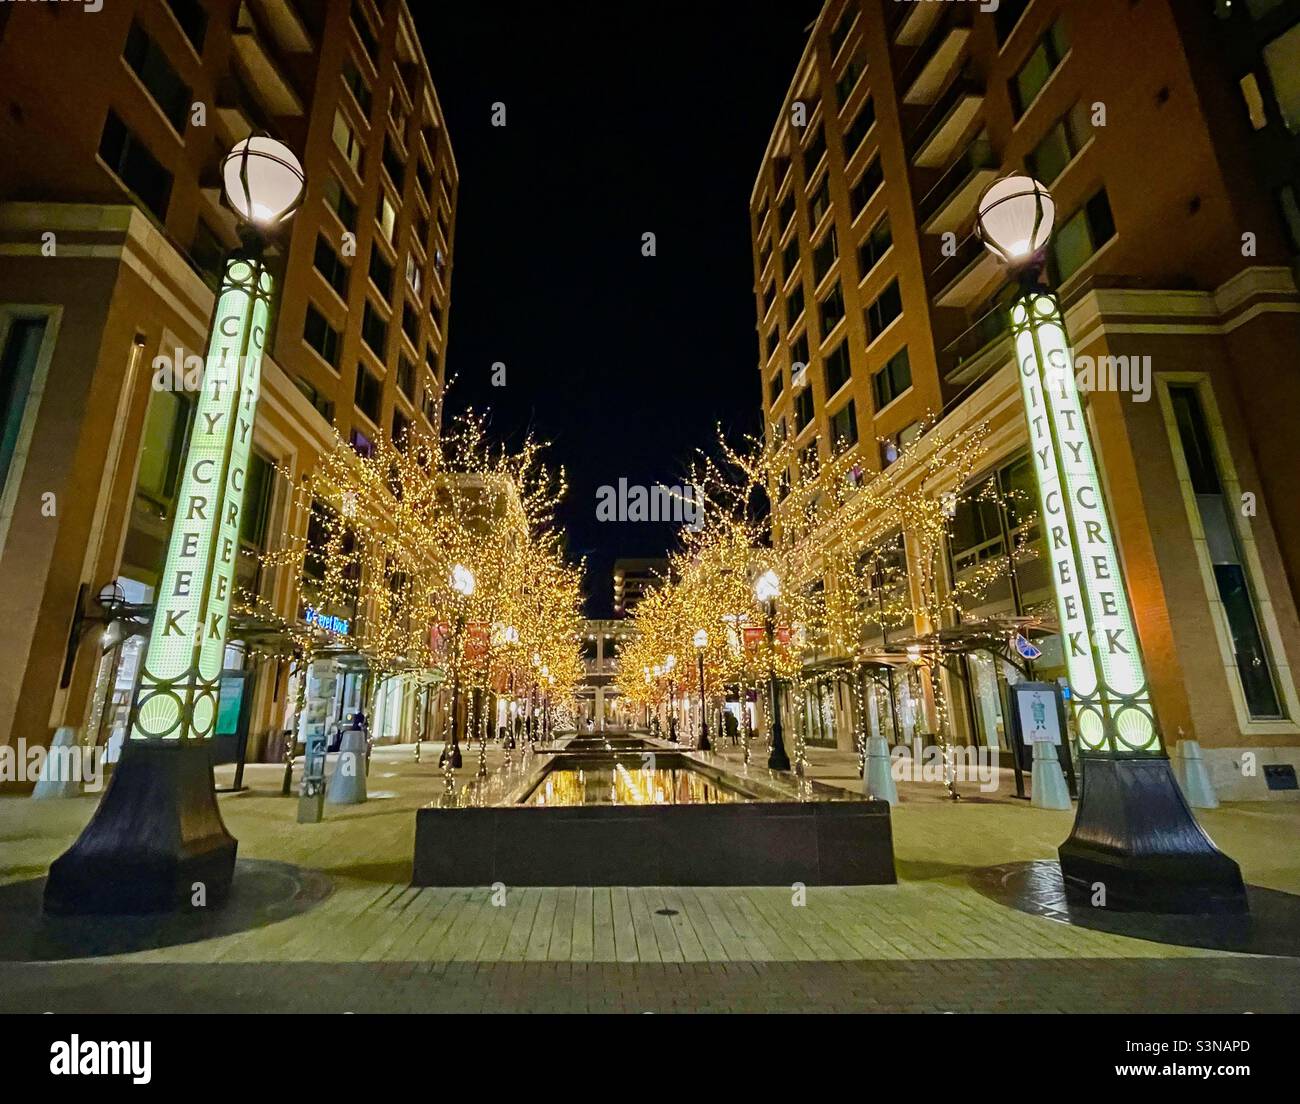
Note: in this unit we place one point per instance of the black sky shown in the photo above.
(621, 118)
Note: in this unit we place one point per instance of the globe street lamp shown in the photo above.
(767, 589)
(462, 583)
(1133, 832)
(158, 836)
(701, 641)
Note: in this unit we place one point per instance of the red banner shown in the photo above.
(477, 637)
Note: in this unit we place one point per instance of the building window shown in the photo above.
(858, 130)
(840, 31)
(366, 33)
(848, 80)
(1254, 664)
(18, 362)
(323, 405)
(837, 367)
(369, 390)
(386, 213)
(875, 246)
(821, 200)
(825, 255)
(844, 428)
(406, 376)
(357, 86)
(803, 408)
(786, 212)
(401, 425)
(346, 140)
(831, 309)
(132, 163)
(809, 462)
(814, 152)
(331, 266)
(162, 447)
(374, 330)
(1039, 67)
(150, 64)
(429, 406)
(208, 253)
(1066, 137)
(892, 380)
(790, 259)
(798, 356)
(393, 164)
(414, 276)
(1282, 56)
(340, 203)
(769, 346)
(769, 296)
(867, 186)
(1006, 16)
(381, 273)
(411, 323)
(774, 388)
(192, 19)
(1080, 236)
(887, 306)
(793, 306)
(321, 336)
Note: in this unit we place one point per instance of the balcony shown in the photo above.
(258, 62)
(942, 128)
(966, 275)
(982, 348)
(934, 64)
(947, 205)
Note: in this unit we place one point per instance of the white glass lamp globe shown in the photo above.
(1016, 214)
(263, 180)
(462, 580)
(701, 638)
(767, 587)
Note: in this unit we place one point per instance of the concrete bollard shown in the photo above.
(59, 776)
(1047, 788)
(1193, 775)
(878, 777)
(347, 785)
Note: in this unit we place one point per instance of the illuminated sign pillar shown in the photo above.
(157, 842)
(1135, 843)
(177, 696)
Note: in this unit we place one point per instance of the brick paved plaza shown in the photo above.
(323, 919)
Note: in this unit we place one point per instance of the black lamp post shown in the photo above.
(1134, 833)
(767, 589)
(701, 641)
(462, 582)
(670, 663)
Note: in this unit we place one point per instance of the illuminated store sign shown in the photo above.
(177, 698)
(1110, 695)
(338, 625)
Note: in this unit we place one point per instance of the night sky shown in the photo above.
(622, 118)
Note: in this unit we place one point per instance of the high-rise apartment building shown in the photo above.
(881, 313)
(112, 231)
(633, 576)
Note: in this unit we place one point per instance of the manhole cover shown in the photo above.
(665, 912)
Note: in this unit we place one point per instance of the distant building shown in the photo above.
(598, 698)
(632, 578)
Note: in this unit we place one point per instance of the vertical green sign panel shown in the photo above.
(1109, 690)
(178, 692)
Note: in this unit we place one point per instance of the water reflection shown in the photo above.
(617, 785)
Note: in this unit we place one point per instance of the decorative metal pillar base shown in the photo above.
(1135, 835)
(156, 835)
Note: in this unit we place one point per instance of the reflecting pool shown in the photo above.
(618, 784)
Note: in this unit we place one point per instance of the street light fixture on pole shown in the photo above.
(1133, 832)
(701, 641)
(767, 589)
(669, 663)
(158, 836)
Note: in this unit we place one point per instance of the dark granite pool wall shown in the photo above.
(752, 843)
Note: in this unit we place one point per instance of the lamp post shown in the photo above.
(463, 583)
(701, 641)
(158, 835)
(1133, 831)
(767, 589)
(669, 663)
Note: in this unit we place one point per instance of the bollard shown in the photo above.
(878, 777)
(1047, 788)
(1193, 775)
